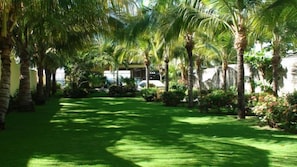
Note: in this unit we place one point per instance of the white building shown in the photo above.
(212, 77)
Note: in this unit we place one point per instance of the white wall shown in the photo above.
(15, 77)
(111, 75)
(290, 81)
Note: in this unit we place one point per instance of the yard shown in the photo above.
(131, 132)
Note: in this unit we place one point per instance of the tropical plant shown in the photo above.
(183, 19)
(218, 100)
(8, 18)
(172, 98)
(276, 112)
(149, 94)
(292, 98)
(51, 24)
(273, 24)
(235, 16)
(225, 53)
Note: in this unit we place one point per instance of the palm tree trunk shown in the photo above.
(40, 99)
(48, 82)
(252, 79)
(240, 85)
(54, 82)
(5, 80)
(240, 44)
(199, 72)
(184, 77)
(224, 68)
(161, 72)
(25, 102)
(147, 68)
(276, 59)
(166, 74)
(191, 80)
(189, 47)
(117, 74)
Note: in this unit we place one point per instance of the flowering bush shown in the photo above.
(276, 112)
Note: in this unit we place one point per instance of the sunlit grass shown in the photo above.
(131, 132)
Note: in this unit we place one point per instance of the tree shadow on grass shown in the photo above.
(130, 132)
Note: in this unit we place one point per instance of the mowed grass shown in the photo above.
(131, 132)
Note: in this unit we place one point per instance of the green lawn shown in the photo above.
(131, 132)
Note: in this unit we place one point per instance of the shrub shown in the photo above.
(276, 112)
(121, 91)
(75, 92)
(149, 94)
(172, 98)
(152, 94)
(178, 87)
(114, 91)
(251, 101)
(292, 98)
(217, 99)
(129, 83)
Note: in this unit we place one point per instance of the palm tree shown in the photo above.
(22, 38)
(234, 15)
(179, 53)
(54, 60)
(189, 38)
(224, 51)
(184, 19)
(73, 24)
(24, 98)
(273, 21)
(7, 20)
(140, 31)
(70, 17)
(114, 52)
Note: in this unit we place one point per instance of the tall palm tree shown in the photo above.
(140, 31)
(273, 23)
(179, 53)
(114, 52)
(73, 18)
(235, 15)
(183, 19)
(24, 97)
(7, 23)
(224, 51)
(22, 38)
(73, 23)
